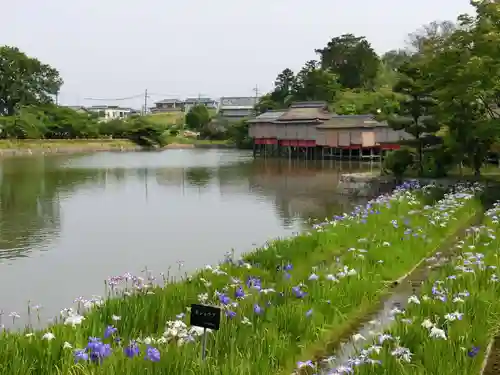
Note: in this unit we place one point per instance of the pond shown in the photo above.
(68, 222)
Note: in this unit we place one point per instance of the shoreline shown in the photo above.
(53, 147)
(181, 146)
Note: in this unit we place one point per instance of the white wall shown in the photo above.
(111, 114)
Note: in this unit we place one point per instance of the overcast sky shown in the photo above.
(118, 48)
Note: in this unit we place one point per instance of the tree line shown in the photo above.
(28, 88)
(443, 88)
(28, 110)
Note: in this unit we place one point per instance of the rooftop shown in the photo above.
(351, 121)
(169, 101)
(269, 116)
(95, 107)
(199, 100)
(305, 113)
(238, 101)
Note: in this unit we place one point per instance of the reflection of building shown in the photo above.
(303, 189)
(298, 189)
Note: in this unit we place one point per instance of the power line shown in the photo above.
(116, 99)
(256, 89)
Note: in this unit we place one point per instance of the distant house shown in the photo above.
(168, 105)
(111, 112)
(177, 105)
(207, 102)
(77, 108)
(236, 108)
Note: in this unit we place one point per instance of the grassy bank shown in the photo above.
(41, 144)
(280, 302)
(447, 329)
(194, 141)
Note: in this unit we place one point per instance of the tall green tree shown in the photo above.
(416, 113)
(395, 58)
(197, 117)
(464, 69)
(315, 83)
(266, 103)
(352, 59)
(25, 81)
(283, 86)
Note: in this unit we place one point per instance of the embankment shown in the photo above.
(202, 145)
(279, 303)
(75, 146)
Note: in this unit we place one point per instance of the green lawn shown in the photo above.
(167, 118)
(170, 118)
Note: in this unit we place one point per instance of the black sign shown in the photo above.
(205, 316)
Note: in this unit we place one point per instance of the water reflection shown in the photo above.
(31, 190)
(84, 218)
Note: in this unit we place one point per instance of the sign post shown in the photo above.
(206, 317)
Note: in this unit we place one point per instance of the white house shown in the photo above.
(111, 112)
(237, 107)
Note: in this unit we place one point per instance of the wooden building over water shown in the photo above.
(309, 130)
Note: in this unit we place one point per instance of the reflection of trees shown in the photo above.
(298, 189)
(198, 176)
(29, 201)
(30, 191)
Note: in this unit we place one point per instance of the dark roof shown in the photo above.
(76, 107)
(310, 104)
(305, 113)
(351, 121)
(199, 100)
(269, 116)
(169, 101)
(238, 101)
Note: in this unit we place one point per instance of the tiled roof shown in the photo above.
(238, 101)
(269, 116)
(199, 100)
(169, 101)
(305, 113)
(351, 121)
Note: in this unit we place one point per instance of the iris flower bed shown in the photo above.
(277, 302)
(446, 329)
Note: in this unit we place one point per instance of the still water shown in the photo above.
(69, 222)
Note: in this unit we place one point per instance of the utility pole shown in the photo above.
(146, 96)
(256, 89)
(57, 97)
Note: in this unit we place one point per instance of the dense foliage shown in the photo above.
(443, 89)
(27, 109)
